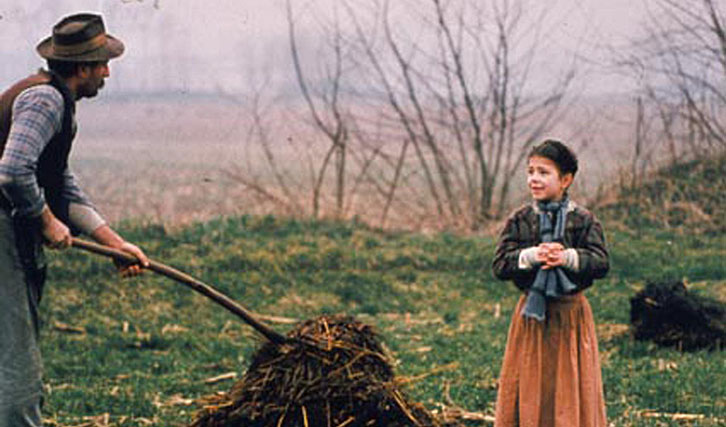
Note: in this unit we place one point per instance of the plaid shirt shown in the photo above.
(36, 118)
(582, 232)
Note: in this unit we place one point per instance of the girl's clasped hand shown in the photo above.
(550, 255)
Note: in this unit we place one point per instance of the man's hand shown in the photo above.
(106, 236)
(128, 270)
(56, 234)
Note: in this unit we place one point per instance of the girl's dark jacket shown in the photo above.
(582, 232)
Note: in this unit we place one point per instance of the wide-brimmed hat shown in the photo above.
(79, 38)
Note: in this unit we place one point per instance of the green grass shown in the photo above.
(150, 343)
(687, 196)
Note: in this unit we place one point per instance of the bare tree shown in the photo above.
(514, 117)
(267, 180)
(680, 63)
(470, 148)
(390, 91)
(428, 114)
(333, 124)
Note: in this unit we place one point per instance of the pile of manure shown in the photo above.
(333, 373)
(669, 315)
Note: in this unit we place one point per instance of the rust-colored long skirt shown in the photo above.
(551, 375)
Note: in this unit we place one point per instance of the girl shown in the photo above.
(551, 249)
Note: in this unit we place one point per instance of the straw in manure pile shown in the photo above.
(334, 374)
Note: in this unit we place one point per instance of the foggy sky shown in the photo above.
(193, 46)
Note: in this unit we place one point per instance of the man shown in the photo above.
(40, 201)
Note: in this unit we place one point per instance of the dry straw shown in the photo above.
(333, 373)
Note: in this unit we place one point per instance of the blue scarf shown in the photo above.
(550, 283)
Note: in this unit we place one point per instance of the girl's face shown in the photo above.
(545, 181)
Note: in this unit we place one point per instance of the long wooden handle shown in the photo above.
(190, 281)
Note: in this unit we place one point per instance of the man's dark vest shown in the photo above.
(53, 160)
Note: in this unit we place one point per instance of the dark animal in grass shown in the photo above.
(335, 374)
(669, 315)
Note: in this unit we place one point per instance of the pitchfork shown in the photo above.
(204, 289)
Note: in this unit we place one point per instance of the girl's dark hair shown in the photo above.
(559, 153)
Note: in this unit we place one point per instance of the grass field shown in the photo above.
(142, 351)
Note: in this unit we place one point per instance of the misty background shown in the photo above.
(188, 46)
(413, 114)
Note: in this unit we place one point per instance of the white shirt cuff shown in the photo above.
(572, 259)
(85, 218)
(527, 258)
